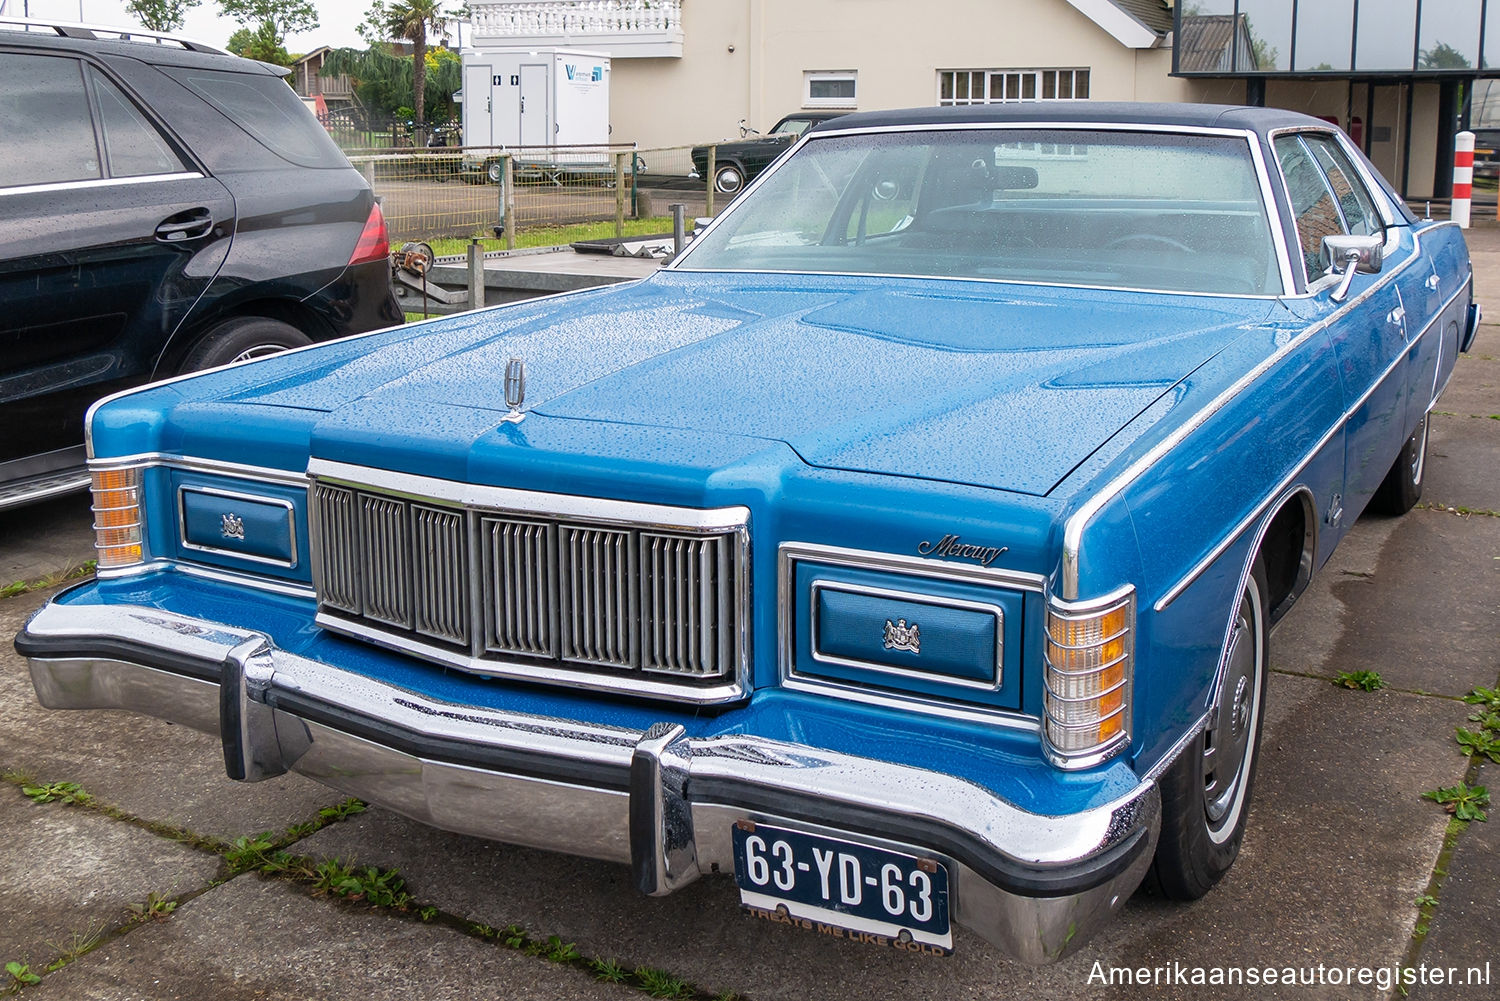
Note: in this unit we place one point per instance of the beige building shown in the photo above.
(687, 71)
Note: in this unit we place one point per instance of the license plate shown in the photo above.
(840, 888)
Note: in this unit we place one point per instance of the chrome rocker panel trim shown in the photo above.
(1036, 886)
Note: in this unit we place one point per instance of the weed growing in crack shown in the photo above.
(1464, 801)
(156, 907)
(19, 975)
(1363, 681)
(375, 886)
(82, 943)
(343, 811)
(661, 984)
(66, 793)
(608, 970)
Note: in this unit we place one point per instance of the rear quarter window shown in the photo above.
(265, 107)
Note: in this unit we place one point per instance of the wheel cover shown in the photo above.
(1229, 741)
(728, 180)
(1419, 456)
(258, 351)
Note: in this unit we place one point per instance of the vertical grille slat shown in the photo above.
(440, 567)
(600, 597)
(518, 584)
(597, 596)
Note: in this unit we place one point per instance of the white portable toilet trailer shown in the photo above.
(537, 98)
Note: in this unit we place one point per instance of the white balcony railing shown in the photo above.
(620, 28)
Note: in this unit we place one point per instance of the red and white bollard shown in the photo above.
(1463, 177)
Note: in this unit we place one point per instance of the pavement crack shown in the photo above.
(1335, 681)
(1431, 898)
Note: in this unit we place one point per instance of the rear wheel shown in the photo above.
(1402, 487)
(1206, 792)
(241, 339)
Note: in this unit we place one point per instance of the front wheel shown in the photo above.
(1205, 794)
(1402, 487)
(242, 339)
(729, 178)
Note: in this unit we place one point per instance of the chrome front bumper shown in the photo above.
(1036, 886)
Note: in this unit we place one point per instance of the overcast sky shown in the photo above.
(338, 20)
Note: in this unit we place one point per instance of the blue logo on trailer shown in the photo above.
(594, 77)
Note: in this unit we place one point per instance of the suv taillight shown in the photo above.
(374, 243)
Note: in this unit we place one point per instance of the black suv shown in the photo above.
(164, 207)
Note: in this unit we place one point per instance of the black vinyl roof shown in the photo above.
(1224, 116)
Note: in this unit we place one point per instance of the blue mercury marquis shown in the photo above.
(907, 549)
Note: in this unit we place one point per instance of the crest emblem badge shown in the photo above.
(232, 526)
(900, 636)
(515, 390)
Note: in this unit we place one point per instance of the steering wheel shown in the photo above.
(1147, 238)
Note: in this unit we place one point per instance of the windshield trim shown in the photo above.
(1289, 285)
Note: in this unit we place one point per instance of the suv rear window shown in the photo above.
(265, 107)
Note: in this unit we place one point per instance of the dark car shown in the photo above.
(1486, 152)
(736, 164)
(164, 207)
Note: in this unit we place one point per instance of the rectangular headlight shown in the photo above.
(117, 515)
(1089, 666)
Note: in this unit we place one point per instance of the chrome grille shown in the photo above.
(534, 594)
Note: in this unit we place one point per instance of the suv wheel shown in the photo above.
(242, 339)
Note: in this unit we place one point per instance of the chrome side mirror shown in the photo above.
(1363, 255)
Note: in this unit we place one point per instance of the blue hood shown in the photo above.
(992, 385)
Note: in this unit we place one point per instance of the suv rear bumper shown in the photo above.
(1036, 886)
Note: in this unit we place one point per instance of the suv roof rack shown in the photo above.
(105, 32)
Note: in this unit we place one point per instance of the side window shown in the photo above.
(48, 133)
(1359, 208)
(266, 107)
(132, 145)
(1313, 205)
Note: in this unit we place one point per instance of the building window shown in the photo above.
(829, 89)
(996, 86)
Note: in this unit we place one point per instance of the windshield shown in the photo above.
(1072, 207)
(792, 126)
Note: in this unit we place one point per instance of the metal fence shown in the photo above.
(530, 194)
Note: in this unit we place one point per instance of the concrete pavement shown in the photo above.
(1340, 849)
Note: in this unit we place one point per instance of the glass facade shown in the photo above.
(1248, 37)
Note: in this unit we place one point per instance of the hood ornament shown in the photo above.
(515, 390)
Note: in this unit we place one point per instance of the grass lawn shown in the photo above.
(554, 236)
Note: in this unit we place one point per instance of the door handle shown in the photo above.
(1433, 283)
(194, 224)
(1396, 315)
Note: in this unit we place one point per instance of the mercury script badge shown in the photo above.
(515, 389)
(951, 547)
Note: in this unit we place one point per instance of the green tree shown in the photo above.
(258, 43)
(160, 15)
(410, 21)
(270, 21)
(383, 80)
(1443, 56)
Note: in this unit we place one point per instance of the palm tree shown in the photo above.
(410, 20)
